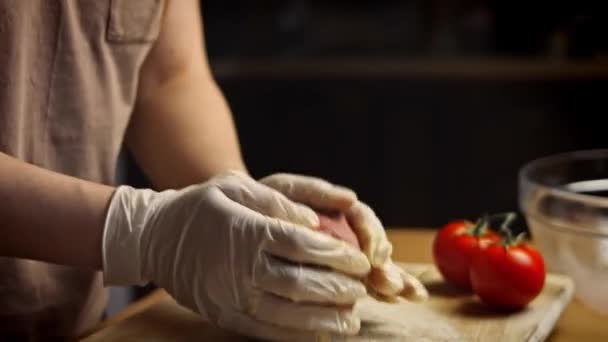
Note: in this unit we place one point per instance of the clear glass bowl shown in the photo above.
(564, 199)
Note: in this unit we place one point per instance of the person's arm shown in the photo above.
(182, 133)
(200, 244)
(50, 217)
(182, 130)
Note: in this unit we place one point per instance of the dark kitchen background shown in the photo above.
(426, 108)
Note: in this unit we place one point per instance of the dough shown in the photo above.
(336, 225)
(402, 321)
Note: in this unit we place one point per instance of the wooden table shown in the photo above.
(414, 245)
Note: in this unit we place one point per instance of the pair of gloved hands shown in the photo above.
(244, 253)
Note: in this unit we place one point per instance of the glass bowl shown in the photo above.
(564, 199)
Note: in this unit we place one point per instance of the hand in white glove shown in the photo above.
(386, 278)
(227, 249)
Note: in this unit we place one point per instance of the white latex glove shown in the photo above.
(386, 278)
(227, 250)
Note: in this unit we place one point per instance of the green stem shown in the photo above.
(509, 219)
(506, 218)
(519, 238)
(509, 240)
(481, 226)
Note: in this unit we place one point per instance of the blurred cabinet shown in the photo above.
(419, 151)
(426, 108)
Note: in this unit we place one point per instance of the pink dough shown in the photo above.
(336, 225)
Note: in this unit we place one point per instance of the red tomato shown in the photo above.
(508, 276)
(454, 247)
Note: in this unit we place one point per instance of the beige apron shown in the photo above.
(68, 80)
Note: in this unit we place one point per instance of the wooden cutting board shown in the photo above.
(449, 315)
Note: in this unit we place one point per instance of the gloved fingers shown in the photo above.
(246, 325)
(312, 191)
(285, 313)
(301, 245)
(267, 201)
(293, 242)
(386, 280)
(391, 280)
(302, 283)
(413, 288)
(370, 232)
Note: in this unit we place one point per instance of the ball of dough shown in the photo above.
(336, 225)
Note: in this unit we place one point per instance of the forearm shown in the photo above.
(182, 130)
(50, 217)
(185, 133)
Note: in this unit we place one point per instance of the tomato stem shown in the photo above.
(519, 238)
(509, 219)
(508, 240)
(481, 226)
(505, 230)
